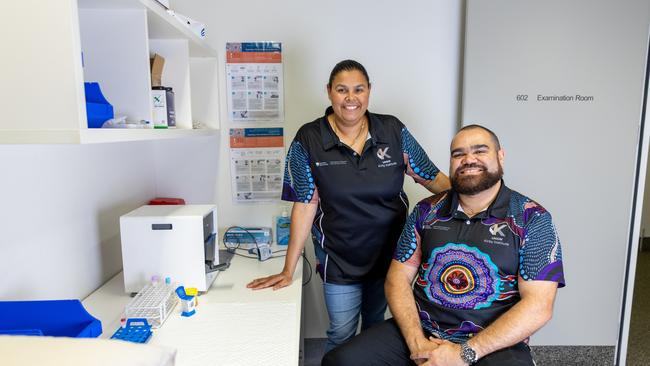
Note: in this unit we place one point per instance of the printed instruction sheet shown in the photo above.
(256, 158)
(254, 81)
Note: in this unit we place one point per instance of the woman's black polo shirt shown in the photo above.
(362, 207)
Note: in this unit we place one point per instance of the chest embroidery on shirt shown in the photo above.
(498, 235)
(330, 163)
(436, 227)
(385, 158)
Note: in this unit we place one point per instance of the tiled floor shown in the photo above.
(638, 353)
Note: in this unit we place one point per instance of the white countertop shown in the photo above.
(233, 325)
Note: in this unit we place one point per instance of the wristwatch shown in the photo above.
(467, 354)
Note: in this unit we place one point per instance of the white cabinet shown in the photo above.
(54, 46)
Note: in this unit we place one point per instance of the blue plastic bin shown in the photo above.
(58, 318)
(98, 109)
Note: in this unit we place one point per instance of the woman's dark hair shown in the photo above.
(347, 65)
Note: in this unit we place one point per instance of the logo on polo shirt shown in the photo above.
(496, 229)
(497, 235)
(383, 153)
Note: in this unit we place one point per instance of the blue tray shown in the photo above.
(137, 330)
(58, 318)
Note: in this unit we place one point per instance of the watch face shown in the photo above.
(467, 354)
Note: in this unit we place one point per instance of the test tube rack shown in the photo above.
(154, 302)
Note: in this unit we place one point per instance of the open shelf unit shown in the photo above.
(110, 42)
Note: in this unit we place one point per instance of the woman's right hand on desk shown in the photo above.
(277, 281)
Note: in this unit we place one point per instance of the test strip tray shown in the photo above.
(136, 331)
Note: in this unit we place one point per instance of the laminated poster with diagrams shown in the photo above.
(256, 157)
(254, 81)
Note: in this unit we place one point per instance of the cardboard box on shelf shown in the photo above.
(157, 64)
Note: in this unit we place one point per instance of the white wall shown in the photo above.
(188, 169)
(59, 218)
(576, 159)
(411, 53)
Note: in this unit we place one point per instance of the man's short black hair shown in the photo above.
(493, 136)
(347, 65)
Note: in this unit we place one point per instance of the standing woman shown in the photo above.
(345, 174)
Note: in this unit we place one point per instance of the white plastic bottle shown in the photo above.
(282, 228)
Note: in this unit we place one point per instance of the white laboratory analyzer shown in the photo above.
(176, 241)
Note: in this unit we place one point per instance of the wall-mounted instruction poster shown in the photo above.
(254, 81)
(256, 157)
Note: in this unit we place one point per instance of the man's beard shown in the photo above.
(474, 184)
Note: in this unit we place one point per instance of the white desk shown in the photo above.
(233, 325)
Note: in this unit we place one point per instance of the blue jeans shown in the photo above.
(346, 302)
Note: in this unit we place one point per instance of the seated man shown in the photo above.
(474, 274)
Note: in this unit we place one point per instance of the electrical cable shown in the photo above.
(279, 251)
(245, 256)
(310, 269)
(233, 248)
